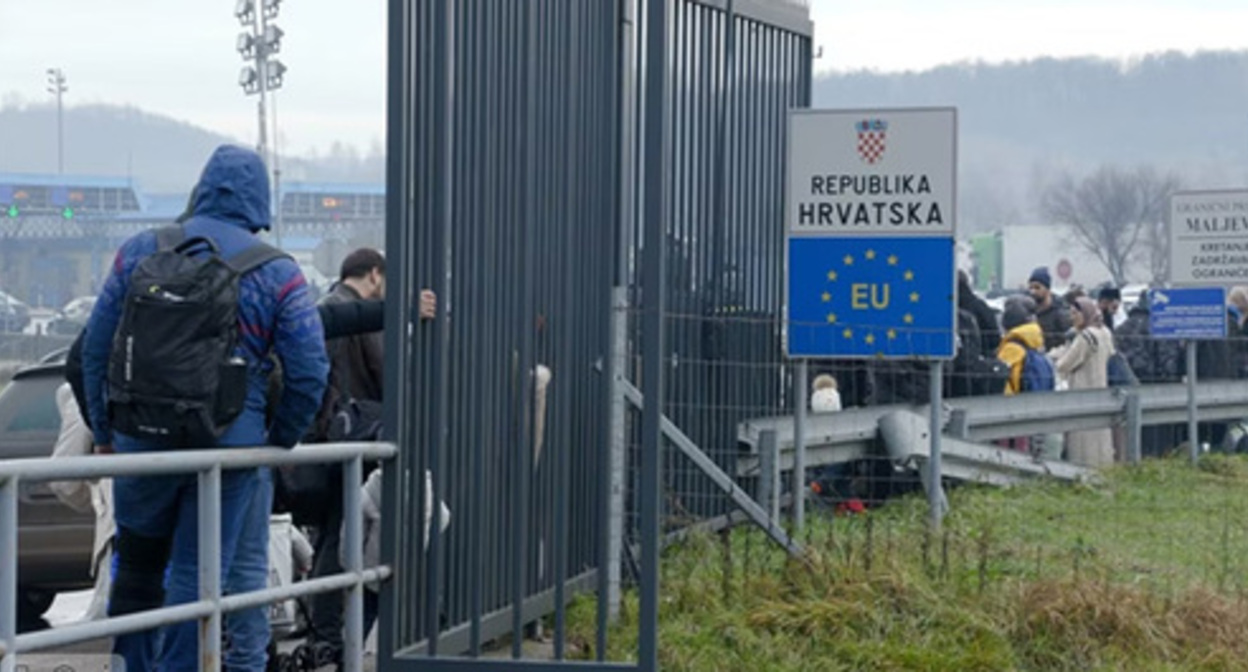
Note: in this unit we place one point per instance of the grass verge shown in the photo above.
(1146, 571)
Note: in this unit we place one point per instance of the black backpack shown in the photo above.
(173, 378)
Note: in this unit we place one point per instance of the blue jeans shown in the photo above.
(248, 630)
(166, 507)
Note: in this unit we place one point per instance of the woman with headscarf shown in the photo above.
(1084, 363)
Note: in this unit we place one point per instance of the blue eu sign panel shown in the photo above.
(852, 297)
(1195, 313)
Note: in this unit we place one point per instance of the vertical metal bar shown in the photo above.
(617, 476)
(935, 492)
(768, 476)
(1193, 439)
(654, 287)
(398, 424)
(611, 461)
(483, 499)
(353, 537)
(801, 393)
(1134, 427)
(441, 342)
(530, 208)
(8, 573)
(559, 548)
(210, 567)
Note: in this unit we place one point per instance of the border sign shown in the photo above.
(1188, 313)
(869, 225)
(1209, 238)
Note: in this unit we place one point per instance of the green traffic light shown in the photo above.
(68, 213)
(12, 210)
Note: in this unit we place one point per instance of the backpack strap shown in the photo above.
(254, 257)
(169, 237)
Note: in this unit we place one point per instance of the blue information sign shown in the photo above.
(866, 297)
(1189, 313)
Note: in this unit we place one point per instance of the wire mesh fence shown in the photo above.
(1160, 543)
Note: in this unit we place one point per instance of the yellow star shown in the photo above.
(870, 254)
(914, 297)
(908, 318)
(831, 276)
(848, 333)
(827, 297)
(892, 260)
(870, 339)
(831, 318)
(909, 275)
(892, 334)
(849, 260)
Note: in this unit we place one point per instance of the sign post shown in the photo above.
(1207, 248)
(1189, 314)
(869, 254)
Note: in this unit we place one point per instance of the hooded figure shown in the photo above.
(157, 526)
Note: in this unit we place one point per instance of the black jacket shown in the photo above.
(1054, 322)
(985, 319)
(1152, 360)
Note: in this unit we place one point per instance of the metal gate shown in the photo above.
(531, 153)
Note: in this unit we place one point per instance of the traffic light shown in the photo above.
(68, 213)
(12, 211)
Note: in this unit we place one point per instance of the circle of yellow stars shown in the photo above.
(871, 255)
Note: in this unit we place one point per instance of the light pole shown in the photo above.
(57, 87)
(263, 73)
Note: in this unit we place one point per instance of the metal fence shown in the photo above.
(209, 609)
(540, 155)
(503, 190)
(736, 72)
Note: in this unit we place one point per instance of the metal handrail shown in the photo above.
(995, 417)
(208, 464)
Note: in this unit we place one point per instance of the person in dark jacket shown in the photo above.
(1153, 361)
(985, 317)
(157, 516)
(1051, 311)
(1108, 300)
(357, 371)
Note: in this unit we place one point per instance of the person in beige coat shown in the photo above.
(1084, 363)
(83, 496)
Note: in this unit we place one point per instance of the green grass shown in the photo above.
(1146, 571)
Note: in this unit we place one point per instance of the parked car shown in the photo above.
(73, 317)
(14, 315)
(54, 541)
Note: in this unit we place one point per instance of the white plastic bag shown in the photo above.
(281, 572)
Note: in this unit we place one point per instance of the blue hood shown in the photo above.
(234, 188)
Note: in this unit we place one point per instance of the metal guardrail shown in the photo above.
(208, 464)
(851, 434)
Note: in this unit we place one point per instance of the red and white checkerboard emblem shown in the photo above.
(871, 136)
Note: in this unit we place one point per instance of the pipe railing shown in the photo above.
(208, 464)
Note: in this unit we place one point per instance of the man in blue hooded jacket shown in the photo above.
(157, 516)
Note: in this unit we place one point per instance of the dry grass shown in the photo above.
(1147, 572)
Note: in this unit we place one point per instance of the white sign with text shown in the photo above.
(1209, 238)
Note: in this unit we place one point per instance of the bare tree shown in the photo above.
(1116, 214)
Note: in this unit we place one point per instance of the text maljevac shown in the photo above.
(1216, 224)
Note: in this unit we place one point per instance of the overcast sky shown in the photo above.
(177, 57)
